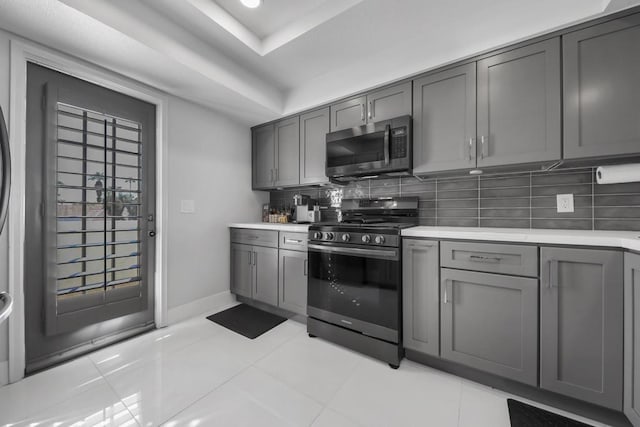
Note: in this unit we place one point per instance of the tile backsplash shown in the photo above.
(520, 200)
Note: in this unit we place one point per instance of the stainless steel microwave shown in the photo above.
(381, 148)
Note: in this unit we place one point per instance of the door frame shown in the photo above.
(21, 53)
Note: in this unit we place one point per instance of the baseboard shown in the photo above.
(4, 373)
(207, 305)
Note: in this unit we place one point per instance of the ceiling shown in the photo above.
(287, 55)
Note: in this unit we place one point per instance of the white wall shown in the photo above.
(209, 161)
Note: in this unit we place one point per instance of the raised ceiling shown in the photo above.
(287, 55)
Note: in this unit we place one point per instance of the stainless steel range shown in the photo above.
(355, 276)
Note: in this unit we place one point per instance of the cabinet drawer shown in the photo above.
(254, 237)
(493, 258)
(293, 241)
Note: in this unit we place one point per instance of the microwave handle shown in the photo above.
(387, 134)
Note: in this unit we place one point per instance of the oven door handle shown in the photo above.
(387, 135)
(379, 253)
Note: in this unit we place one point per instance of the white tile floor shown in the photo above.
(197, 373)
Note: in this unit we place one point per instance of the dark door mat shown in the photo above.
(246, 320)
(523, 415)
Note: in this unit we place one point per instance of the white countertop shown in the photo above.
(622, 239)
(296, 228)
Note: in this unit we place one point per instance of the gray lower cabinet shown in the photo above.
(421, 296)
(349, 113)
(242, 269)
(490, 322)
(263, 157)
(287, 146)
(632, 338)
(519, 105)
(581, 324)
(314, 127)
(602, 89)
(292, 281)
(265, 271)
(444, 120)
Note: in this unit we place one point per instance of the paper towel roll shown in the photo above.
(618, 174)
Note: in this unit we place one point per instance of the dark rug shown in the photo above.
(523, 415)
(246, 320)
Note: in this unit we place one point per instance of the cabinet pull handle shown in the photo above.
(250, 258)
(480, 258)
(255, 257)
(362, 108)
(370, 110)
(470, 149)
(277, 174)
(294, 241)
(446, 291)
(484, 148)
(306, 267)
(271, 175)
(553, 274)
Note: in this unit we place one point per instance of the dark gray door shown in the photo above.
(263, 156)
(602, 89)
(90, 212)
(314, 127)
(581, 324)
(490, 322)
(241, 269)
(287, 137)
(388, 103)
(444, 120)
(519, 105)
(632, 338)
(349, 113)
(421, 296)
(265, 275)
(292, 281)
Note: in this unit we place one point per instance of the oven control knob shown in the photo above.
(328, 236)
(379, 240)
(366, 238)
(346, 237)
(317, 235)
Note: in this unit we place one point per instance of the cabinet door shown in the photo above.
(292, 281)
(444, 120)
(287, 136)
(519, 105)
(263, 156)
(265, 279)
(388, 103)
(632, 338)
(314, 127)
(241, 269)
(490, 322)
(602, 89)
(421, 296)
(581, 324)
(349, 113)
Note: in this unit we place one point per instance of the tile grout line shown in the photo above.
(593, 200)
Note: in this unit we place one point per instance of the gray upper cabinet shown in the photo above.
(490, 322)
(287, 146)
(314, 127)
(632, 338)
(263, 150)
(519, 105)
(420, 296)
(444, 120)
(349, 113)
(265, 283)
(292, 281)
(581, 324)
(390, 102)
(602, 89)
(241, 269)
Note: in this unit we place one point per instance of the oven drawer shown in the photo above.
(254, 237)
(293, 241)
(518, 260)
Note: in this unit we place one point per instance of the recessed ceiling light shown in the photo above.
(252, 4)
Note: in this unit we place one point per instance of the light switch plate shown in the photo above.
(187, 206)
(564, 202)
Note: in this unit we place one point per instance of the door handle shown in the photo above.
(553, 274)
(484, 147)
(255, 257)
(306, 267)
(292, 241)
(445, 300)
(362, 108)
(471, 148)
(250, 257)
(370, 110)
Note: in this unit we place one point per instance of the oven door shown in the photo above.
(356, 288)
